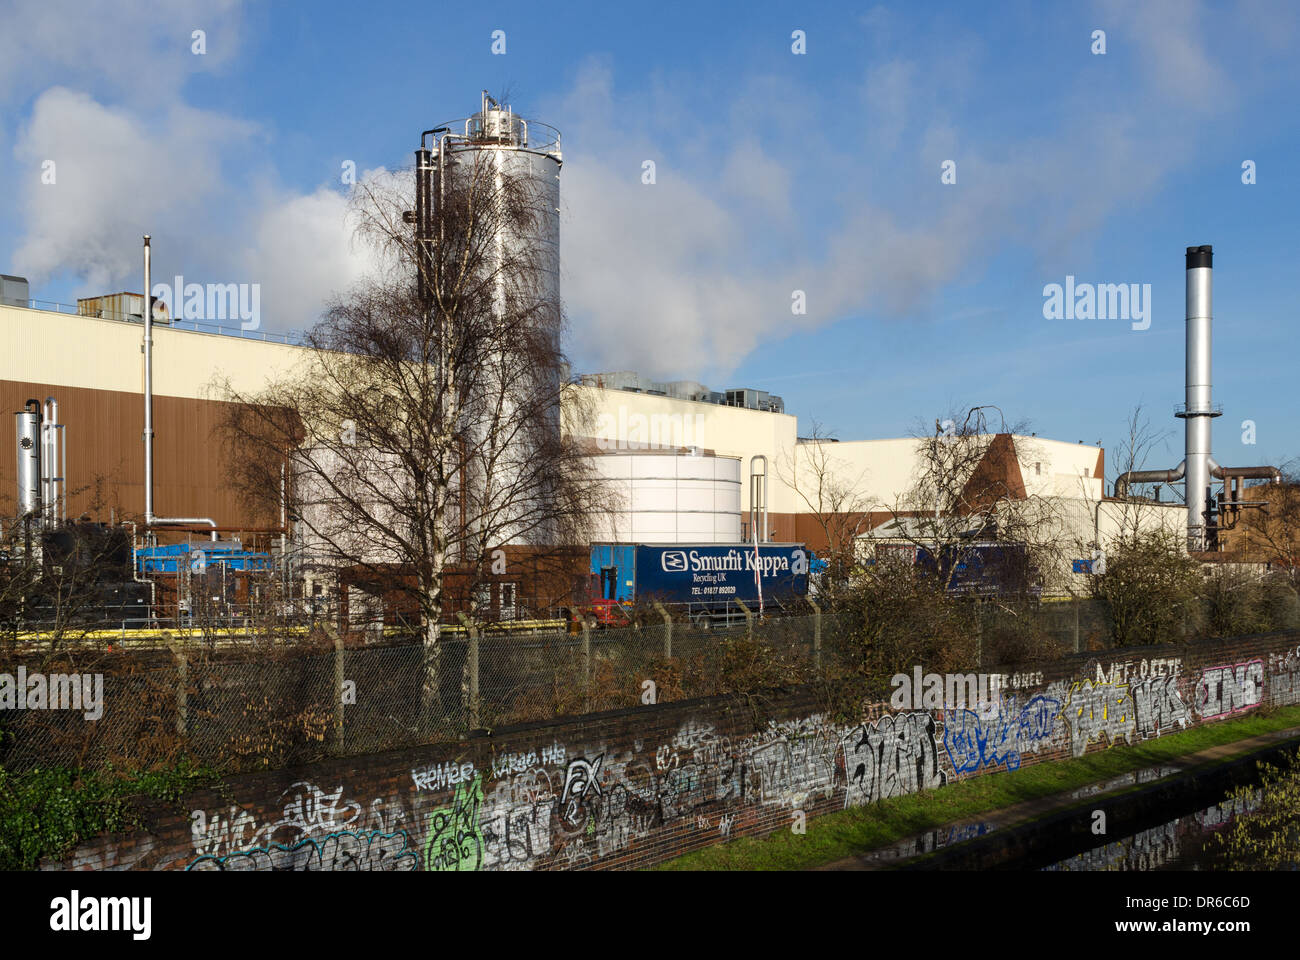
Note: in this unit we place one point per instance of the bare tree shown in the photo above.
(1138, 504)
(966, 492)
(1274, 532)
(833, 496)
(422, 430)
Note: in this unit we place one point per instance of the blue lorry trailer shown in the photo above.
(706, 577)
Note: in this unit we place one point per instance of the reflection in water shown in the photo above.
(1148, 775)
(1179, 844)
(927, 842)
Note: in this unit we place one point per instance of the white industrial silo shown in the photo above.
(497, 157)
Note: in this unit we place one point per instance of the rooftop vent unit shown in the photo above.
(14, 291)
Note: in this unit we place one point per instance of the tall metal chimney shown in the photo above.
(1198, 410)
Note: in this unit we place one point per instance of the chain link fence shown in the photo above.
(265, 705)
(251, 704)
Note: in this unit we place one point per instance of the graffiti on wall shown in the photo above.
(1124, 671)
(373, 851)
(1284, 678)
(1230, 688)
(894, 756)
(454, 839)
(573, 806)
(1093, 710)
(1159, 706)
(796, 761)
(307, 811)
(991, 738)
(440, 776)
(317, 830)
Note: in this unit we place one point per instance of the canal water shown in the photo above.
(1183, 843)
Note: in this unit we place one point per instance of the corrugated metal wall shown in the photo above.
(106, 454)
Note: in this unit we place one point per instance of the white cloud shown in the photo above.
(303, 253)
(188, 177)
(117, 176)
(842, 198)
(134, 49)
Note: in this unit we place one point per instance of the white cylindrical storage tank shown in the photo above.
(672, 498)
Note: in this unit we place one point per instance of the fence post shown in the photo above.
(1077, 601)
(749, 618)
(668, 630)
(338, 691)
(817, 633)
(182, 686)
(586, 665)
(471, 659)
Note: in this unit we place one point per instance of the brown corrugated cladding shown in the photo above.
(809, 530)
(106, 454)
(997, 474)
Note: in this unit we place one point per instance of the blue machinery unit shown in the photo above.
(198, 558)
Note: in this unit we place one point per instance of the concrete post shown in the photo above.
(668, 630)
(471, 658)
(182, 686)
(586, 665)
(338, 691)
(817, 633)
(749, 617)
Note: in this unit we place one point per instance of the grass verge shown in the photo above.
(844, 833)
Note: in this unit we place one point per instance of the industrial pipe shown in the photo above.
(1272, 474)
(754, 499)
(1147, 476)
(150, 519)
(55, 447)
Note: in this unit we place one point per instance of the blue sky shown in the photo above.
(775, 172)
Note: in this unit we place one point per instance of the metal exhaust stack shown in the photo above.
(30, 475)
(1197, 410)
(149, 519)
(54, 481)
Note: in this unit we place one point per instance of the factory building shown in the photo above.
(683, 465)
(686, 463)
(92, 366)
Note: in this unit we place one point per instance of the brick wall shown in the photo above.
(631, 788)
